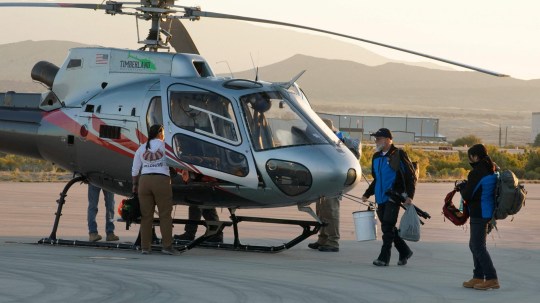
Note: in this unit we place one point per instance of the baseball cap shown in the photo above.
(382, 132)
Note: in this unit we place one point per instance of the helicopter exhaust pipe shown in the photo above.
(44, 72)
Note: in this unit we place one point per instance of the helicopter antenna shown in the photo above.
(255, 68)
(228, 66)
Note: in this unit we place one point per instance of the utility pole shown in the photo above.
(500, 135)
(506, 137)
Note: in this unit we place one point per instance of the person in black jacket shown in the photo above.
(479, 193)
(393, 180)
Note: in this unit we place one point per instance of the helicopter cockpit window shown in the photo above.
(205, 113)
(273, 123)
(73, 63)
(154, 114)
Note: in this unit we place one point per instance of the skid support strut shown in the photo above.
(61, 203)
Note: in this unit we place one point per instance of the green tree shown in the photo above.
(469, 140)
(537, 141)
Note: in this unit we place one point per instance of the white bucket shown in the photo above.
(365, 223)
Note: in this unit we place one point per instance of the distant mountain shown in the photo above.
(242, 44)
(347, 82)
(20, 57)
(466, 103)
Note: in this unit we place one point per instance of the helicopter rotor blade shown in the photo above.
(195, 14)
(109, 6)
(181, 40)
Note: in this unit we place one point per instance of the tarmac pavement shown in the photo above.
(441, 260)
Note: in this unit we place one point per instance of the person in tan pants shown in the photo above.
(155, 190)
(151, 180)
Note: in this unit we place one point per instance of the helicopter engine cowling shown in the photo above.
(44, 72)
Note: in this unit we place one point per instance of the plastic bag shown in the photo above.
(409, 226)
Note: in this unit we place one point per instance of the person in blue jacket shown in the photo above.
(479, 193)
(393, 183)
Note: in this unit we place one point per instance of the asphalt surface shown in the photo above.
(441, 260)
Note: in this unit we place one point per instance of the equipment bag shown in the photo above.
(409, 226)
(509, 195)
(131, 210)
(452, 213)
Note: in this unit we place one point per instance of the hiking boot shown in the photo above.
(112, 237)
(488, 284)
(170, 251)
(327, 248)
(378, 262)
(472, 282)
(184, 237)
(94, 237)
(403, 261)
(314, 245)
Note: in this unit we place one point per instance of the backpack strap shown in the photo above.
(398, 157)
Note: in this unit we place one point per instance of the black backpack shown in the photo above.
(131, 210)
(510, 195)
(401, 158)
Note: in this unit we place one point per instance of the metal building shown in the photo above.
(405, 129)
(535, 126)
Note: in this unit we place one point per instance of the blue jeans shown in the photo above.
(93, 199)
(483, 265)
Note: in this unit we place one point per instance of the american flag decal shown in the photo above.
(102, 58)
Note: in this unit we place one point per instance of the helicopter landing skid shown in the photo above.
(309, 228)
(213, 228)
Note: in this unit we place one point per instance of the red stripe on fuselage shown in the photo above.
(62, 120)
(124, 141)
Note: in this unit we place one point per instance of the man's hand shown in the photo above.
(408, 201)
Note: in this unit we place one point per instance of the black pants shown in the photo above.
(388, 214)
(195, 213)
(483, 266)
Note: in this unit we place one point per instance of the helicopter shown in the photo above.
(237, 143)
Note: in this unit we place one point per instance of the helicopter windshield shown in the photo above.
(272, 123)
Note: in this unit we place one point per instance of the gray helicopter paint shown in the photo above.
(70, 137)
(116, 68)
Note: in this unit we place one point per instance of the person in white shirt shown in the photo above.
(152, 182)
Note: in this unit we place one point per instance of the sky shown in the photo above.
(498, 35)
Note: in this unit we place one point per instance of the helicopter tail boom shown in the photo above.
(20, 118)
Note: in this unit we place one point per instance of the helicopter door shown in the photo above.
(202, 134)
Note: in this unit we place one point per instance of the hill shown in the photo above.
(20, 57)
(465, 102)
